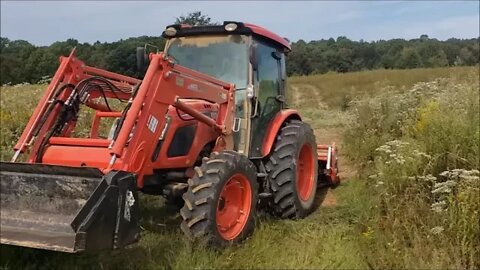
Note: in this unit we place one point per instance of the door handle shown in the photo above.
(280, 98)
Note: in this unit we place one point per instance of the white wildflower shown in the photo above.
(445, 173)
(384, 148)
(438, 207)
(450, 183)
(428, 178)
(421, 154)
(441, 188)
(396, 143)
(400, 160)
(467, 175)
(437, 230)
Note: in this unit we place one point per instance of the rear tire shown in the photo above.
(220, 203)
(292, 171)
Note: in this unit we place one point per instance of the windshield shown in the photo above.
(222, 57)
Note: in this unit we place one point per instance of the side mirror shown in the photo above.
(142, 59)
(277, 55)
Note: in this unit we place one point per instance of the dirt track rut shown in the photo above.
(326, 135)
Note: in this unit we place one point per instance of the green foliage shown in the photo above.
(22, 62)
(344, 55)
(195, 18)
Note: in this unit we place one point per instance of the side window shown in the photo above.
(267, 75)
(268, 84)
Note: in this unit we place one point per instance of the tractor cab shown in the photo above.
(246, 55)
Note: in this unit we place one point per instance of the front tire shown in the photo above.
(293, 171)
(220, 203)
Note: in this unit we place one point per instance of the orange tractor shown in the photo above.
(208, 126)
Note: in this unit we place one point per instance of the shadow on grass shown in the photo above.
(161, 246)
(158, 216)
(320, 197)
(159, 235)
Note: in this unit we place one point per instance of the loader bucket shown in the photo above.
(67, 209)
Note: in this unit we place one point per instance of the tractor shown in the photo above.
(207, 127)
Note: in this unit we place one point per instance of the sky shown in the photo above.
(44, 22)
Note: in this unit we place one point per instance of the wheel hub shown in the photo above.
(233, 207)
(305, 172)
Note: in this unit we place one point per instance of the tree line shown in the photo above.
(21, 61)
(345, 55)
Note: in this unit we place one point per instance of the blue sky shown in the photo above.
(44, 22)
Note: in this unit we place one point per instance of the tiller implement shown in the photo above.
(208, 127)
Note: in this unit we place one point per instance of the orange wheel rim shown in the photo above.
(305, 172)
(233, 207)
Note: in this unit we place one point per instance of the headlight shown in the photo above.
(231, 27)
(170, 31)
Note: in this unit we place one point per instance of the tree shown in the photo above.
(195, 18)
(423, 37)
(409, 58)
(465, 57)
(439, 60)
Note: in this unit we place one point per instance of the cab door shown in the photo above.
(269, 92)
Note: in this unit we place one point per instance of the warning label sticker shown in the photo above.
(152, 123)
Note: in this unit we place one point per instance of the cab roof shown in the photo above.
(183, 30)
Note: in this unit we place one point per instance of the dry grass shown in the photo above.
(337, 90)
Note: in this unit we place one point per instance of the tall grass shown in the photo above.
(419, 150)
(337, 90)
(16, 105)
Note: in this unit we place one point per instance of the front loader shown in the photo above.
(208, 126)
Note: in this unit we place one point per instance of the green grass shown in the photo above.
(370, 226)
(326, 239)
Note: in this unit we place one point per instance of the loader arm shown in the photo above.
(69, 73)
(167, 84)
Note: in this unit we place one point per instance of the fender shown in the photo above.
(275, 126)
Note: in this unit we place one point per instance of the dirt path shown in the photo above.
(325, 135)
(301, 91)
(296, 96)
(346, 170)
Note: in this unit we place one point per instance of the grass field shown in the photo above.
(397, 131)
